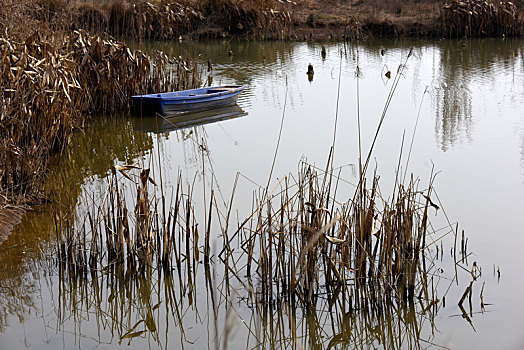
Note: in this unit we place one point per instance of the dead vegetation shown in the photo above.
(301, 258)
(168, 19)
(282, 19)
(50, 81)
(365, 260)
(481, 18)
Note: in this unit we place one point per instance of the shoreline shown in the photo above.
(290, 19)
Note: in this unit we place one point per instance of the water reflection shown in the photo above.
(24, 256)
(160, 124)
(469, 81)
(135, 308)
(467, 69)
(249, 60)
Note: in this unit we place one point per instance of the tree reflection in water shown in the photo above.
(465, 67)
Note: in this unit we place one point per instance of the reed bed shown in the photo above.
(50, 81)
(480, 18)
(121, 234)
(309, 243)
(260, 17)
(297, 244)
(301, 262)
(147, 20)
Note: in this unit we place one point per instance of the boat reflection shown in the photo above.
(161, 124)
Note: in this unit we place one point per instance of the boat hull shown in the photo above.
(185, 101)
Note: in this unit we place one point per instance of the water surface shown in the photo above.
(465, 100)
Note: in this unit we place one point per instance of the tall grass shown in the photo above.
(163, 20)
(298, 243)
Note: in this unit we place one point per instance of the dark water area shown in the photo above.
(457, 111)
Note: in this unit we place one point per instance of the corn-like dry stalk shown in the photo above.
(49, 82)
(480, 18)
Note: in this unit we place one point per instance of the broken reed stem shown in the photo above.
(467, 292)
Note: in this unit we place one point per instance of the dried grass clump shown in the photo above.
(49, 81)
(240, 16)
(110, 72)
(155, 20)
(139, 235)
(480, 18)
(91, 18)
(298, 244)
(40, 101)
(301, 241)
(141, 19)
(14, 13)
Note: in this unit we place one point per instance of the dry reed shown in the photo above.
(50, 81)
(480, 18)
(139, 19)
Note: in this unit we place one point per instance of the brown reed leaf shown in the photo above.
(335, 240)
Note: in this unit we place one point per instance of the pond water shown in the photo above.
(457, 110)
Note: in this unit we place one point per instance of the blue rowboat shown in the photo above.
(171, 103)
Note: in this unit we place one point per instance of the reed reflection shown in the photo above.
(125, 306)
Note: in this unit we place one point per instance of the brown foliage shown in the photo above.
(48, 82)
(480, 18)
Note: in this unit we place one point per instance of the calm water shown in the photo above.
(470, 129)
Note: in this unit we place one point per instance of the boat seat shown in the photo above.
(218, 90)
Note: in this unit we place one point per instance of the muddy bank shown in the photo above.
(367, 19)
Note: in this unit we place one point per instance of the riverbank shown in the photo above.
(9, 218)
(287, 19)
(368, 19)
